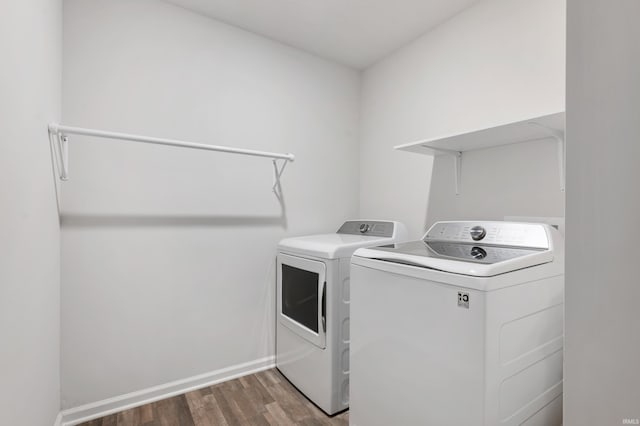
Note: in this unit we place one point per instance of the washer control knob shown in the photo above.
(364, 227)
(478, 253)
(478, 233)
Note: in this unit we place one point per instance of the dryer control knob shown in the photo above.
(364, 228)
(478, 233)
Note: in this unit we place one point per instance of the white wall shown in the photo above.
(498, 61)
(602, 344)
(168, 255)
(30, 42)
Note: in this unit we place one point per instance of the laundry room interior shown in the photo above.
(193, 187)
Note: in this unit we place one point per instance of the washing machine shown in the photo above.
(463, 327)
(312, 318)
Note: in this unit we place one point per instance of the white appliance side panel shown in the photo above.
(342, 330)
(548, 415)
(525, 334)
(417, 358)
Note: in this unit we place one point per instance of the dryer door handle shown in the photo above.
(324, 307)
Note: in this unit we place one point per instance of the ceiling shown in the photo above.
(353, 32)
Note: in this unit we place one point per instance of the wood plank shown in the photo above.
(259, 420)
(173, 412)
(204, 409)
(246, 403)
(111, 420)
(229, 410)
(255, 387)
(128, 418)
(278, 414)
(146, 414)
(261, 399)
(292, 403)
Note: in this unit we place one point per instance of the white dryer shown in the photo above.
(312, 325)
(464, 327)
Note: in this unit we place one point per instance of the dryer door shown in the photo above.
(302, 297)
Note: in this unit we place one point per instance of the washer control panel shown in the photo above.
(367, 227)
(508, 234)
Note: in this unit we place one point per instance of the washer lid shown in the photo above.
(459, 258)
(480, 249)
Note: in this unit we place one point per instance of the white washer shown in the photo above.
(464, 327)
(312, 332)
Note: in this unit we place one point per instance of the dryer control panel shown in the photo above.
(509, 234)
(371, 228)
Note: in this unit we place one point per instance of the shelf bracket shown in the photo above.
(457, 165)
(558, 135)
(61, 148)
(458, 170)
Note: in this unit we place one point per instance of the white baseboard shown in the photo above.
(94, 410)
(58, 421)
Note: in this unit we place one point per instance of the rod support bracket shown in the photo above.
(277, 174)
(61, 148)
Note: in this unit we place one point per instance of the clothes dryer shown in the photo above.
(313, 296)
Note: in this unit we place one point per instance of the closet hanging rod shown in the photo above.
(60, 130)
(59, 135)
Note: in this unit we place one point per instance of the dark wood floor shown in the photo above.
(264, 398)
